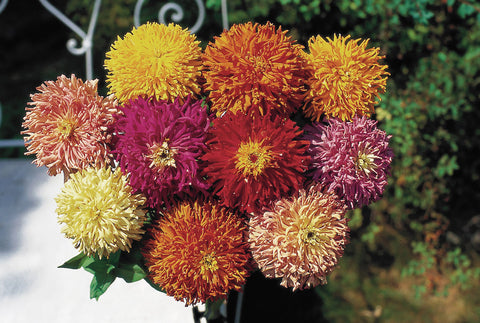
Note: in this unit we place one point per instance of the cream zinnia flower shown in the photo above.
(300, 239)
(99, 211)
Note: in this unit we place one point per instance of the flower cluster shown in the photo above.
(209, 164)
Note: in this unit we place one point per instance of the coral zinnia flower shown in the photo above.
(197, 253)
(99, 211)
(351, 158)
(347, 78)
(158, 145)
(67, 126)
(254, 66)
(300, 239)
(154, 60)
(252, 161)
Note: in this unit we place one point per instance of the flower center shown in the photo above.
(66, 127)
(312, 236)
(346, 78)
(208, 263)
(161, 156)
(365, 163)
(252, 158)
(259, 64)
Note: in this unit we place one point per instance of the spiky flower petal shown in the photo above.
(351, 158)
(254, 67)
(158, 144)
(346, 80)
(154, 60)
(253, 161)
(300, 239)
(196, 252)
(67, 125)
(100, 212)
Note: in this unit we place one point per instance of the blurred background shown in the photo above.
(414, 255)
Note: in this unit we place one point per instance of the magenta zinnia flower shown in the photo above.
(253, 161)
(158, 145)
(351, 158)
(300, 238)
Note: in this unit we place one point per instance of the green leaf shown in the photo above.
(130, 272)
(100, 283)
(79, 261)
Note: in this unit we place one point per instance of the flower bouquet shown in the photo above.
(205, 165)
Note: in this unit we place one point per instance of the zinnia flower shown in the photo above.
(66, 127)
(351, 158)
(252, 66)
(347, 78)
(197, 252)
(158, 144)
(300, 239)
(154, 60)
(99, 211)
(252, 161)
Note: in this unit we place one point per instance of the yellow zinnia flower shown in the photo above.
(99, 211)
(154, 60)
(346, 78)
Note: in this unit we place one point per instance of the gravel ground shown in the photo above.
(32, 288)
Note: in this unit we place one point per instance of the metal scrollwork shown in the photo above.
(72, 44)
(176, 14)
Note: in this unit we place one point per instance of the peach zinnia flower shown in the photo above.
(347, 78)
(254, 66)
(67, 127)
(300, 239)
(197, 253)
(154, 60)
(100, 212)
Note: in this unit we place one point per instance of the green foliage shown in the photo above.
(126, 265)
(427, 266)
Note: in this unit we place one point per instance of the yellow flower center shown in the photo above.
(252, 158)
(66, 127)
(208, 263)
(161, 156)
(365, 163)
(259, 64)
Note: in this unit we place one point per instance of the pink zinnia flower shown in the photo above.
(351, 158)
(66, 125)
(301, 238)
(158, 145)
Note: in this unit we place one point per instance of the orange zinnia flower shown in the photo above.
(300, 239)
(67, 127)
(197, 253)
(346, 79)
(254, 66)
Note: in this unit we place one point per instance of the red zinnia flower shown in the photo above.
(252, 161)
(197, 252)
